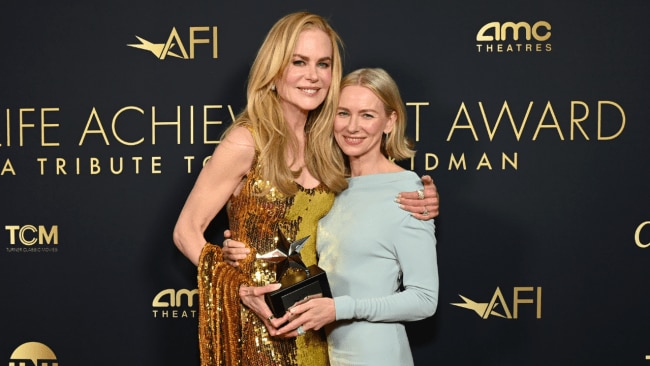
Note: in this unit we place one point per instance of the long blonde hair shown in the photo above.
(263, 114)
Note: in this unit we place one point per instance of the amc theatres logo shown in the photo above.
(175, 46)
(512, 37)
(495, 31)
(642, 241)
(171, 303)
(500, 306)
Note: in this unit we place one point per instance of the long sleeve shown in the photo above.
(415, 247)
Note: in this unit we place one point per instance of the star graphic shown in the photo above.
(155, 48)
(481, 308)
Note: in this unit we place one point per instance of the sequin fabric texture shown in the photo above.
(230, 334)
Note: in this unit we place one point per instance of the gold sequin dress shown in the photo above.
(229, 333)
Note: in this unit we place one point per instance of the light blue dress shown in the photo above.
(366, 244)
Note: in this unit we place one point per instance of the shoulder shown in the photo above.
(235, 152)
(410, 174)
(239, 135)
(409, 180)
(238, 142)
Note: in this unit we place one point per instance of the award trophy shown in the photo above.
(284, 265)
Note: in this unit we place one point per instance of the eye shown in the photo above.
(342, 113)
(324, 65)
(298, 62)
(368, 115)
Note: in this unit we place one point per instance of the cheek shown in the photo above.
(375, 129)
(339, 128)
(340, 141)
(284, 86)
(288, 77)
(339, 125)
(326, 77)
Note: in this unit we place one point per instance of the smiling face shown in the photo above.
(361, 120)
(306, 80)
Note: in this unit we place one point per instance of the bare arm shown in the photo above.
(218, 180)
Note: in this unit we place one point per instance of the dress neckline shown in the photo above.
(300, 187)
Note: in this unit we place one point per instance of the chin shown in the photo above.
(313, 105)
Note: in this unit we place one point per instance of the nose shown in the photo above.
(353, 124)
(312, 73)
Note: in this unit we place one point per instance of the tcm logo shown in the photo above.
(498, 306)
(514, 37)
(33, 354)
(172, 303)
(637, 235)
(175, 47)
(29, 234)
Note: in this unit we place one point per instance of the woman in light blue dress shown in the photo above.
(380, 261)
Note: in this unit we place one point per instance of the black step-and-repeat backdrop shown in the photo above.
(533, 119)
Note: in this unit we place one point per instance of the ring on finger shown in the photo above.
(271, 317)
(300, 330)
(225, 243)
(420, 194)
(425, 212)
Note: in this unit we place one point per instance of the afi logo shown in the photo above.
(499, 307)
(176, 48)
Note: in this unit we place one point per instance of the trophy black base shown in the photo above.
(315, 284)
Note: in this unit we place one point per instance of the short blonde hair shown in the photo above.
(395, 145)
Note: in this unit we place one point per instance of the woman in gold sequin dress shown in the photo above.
(275, 168)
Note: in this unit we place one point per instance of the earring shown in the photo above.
(273, 86)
